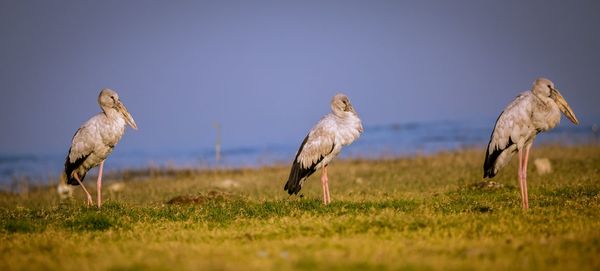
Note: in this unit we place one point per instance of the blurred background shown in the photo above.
(424, 76)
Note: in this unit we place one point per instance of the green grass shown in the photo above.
(418, 213)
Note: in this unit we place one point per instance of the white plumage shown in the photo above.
(517, 126)
(323, 143)
(95, 139)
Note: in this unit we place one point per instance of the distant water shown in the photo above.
(377, 141)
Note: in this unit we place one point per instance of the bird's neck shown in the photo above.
(111, 113)
(347, 118)
(545, 99)
(342, 114)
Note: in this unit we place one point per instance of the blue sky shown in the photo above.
(266, 70)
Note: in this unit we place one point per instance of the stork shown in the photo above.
(323, 143)
(95, 140)
(517, 126)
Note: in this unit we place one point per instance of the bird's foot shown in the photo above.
(90, 202)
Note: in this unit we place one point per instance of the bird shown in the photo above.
(95, 140)
(530, 113)
(323, 143)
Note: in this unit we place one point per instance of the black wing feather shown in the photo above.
(490, 158)
(70, 167)
(298, 173)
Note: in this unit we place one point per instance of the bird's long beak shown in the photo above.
(128, 118)
(563, 105)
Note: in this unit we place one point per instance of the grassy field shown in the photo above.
(418, 213)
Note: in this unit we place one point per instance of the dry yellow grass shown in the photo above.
(418, 213)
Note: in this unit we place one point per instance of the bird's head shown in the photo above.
(545, 88)
(340, 104)
(109, 99)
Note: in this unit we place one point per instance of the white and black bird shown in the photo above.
(95, 140)
(323, 143)
(517, 126)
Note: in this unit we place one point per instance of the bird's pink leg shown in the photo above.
(325, 186)
(89, 197)
(526, 200)
(99, 184)
(521, 178)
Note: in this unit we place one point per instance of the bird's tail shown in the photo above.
(70, 167)
(297, 177)
(293, 185)
(488, 165)
(495, 160)
(72, 181)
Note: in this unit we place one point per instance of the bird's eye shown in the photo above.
(549, 86)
